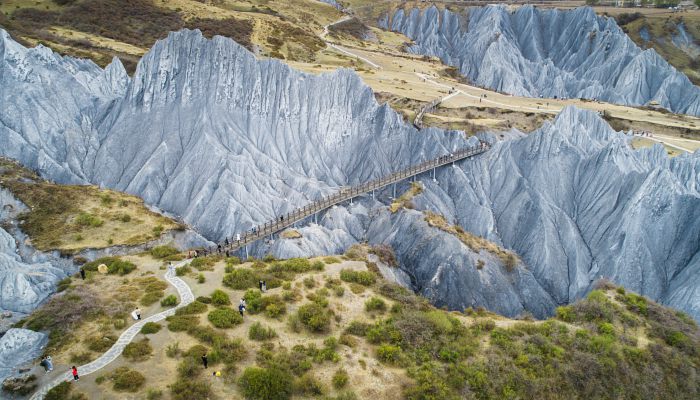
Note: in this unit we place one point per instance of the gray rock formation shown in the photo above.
(572, 199)
(225, 141)
(205, 131)
(17, 347)
(547, 52)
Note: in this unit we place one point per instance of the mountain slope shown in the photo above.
(547, 52)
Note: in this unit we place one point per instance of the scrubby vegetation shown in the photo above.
(150, 328)
(138, 351)
(365, 278)
(127, 380)
(225, 318)
(115, 265)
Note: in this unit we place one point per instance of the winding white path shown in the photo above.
(186, 297)
(343, 50)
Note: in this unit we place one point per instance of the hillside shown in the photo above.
(71, 218)
(332, 327)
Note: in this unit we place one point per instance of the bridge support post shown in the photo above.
(351, 200)
(394, 195)
(373, 195)
(433, 173)
(246, 252)
(316, 218)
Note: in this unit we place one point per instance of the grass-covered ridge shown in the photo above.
(74, 217)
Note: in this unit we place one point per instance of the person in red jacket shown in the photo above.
(75, 373)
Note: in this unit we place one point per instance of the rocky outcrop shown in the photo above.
(17, 347)
(547, 52)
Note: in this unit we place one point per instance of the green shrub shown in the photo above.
(375, 304)
(259, 332)
(268, 258)
(154, 394)
(204, 299)
(220, 298)
(225, 318)
(318, 266)
(340, 378)
(331, 260)
(389, 354)
(163, 251)
(190, 389)
(565, 313)
(203, 263)
(150, 328)
(314, 317)
(365, 278)
(169, 301)
(62, 392)
(195, 307)
(100, 343)
(115, 265)
(266, 384)
(606, 328)
(81, 358)
(308, 385)
(138, 351)
(63, 284)
(173, 350)
(201, 278)
(86, 219)
(309, 282)
(151, 297)
(240, 278)
(231, 261)
(127, 380)
(183, 270)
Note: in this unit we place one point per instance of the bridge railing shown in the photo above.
(270, 227)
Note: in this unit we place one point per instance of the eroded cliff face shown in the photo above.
(203, 129)
(572, 199)
(206, 131)
(547, 52)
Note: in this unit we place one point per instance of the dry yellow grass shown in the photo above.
(74, 217)
(475, 243)
(404, 201)
(291, 234)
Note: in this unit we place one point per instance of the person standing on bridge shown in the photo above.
(226, 241)
(281, 218)
(238, 238)
(74, 370)
(205, 361)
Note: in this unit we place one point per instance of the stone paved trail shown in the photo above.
(186, 297)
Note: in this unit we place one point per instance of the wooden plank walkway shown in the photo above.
(274, 226)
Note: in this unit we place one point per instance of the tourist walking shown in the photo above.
(75, 373)
(263, 287)
(205, 361)
(137, 313)
(49, 363)
(44, 364)
(82, 273)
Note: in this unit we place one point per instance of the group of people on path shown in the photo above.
(47, 364)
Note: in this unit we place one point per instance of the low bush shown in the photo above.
(259, 332)
(225, 318)
(203, 299)
(115, 265)
(195, 307)
(240, 278)
(203, 263)
(63, 392)
(314, 317)
(150, 328)
(190, 389)
(100, 343)
(266, 384)
(151, 297)
(307, 385)
(365, 278)
(138, 351)
(88, 220)
(169, 301)
(220, 298)
(181, 323)
(340, 378)
(331, 260)
(182, 271)
(375, 304)
(389, 354)
(163, 251)
(127, 380)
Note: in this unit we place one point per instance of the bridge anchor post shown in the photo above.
(394, 195)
